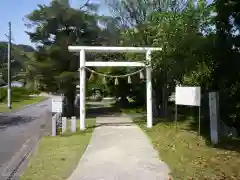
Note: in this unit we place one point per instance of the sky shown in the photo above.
(16, 10)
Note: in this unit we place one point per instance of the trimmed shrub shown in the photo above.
(3, 94)
(33, 91)
(18, 93)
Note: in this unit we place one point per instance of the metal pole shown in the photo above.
(199, 121)
(9, 67)
(176, 117)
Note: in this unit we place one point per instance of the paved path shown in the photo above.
(19, 133)
(119, 150)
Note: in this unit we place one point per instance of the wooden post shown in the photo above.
(149, 90)
(64, 124)
(73, 124)
(82, 90)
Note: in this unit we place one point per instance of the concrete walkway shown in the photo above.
(119, 150)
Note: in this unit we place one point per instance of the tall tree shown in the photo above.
(176, 26)
(55, 28)
(226, 60)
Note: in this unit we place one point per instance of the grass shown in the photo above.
(130, 108)
(190, 157)
(133, 110)
(57, 157)
(20, 103)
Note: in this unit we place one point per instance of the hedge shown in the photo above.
(3, 94)
(17, 93)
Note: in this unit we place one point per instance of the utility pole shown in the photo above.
(9, 66)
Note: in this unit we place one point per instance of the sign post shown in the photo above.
(57, 104)
(188, 96)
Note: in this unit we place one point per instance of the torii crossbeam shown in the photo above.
(83, 63)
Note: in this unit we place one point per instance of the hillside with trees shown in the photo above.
(20, 57)
(200, 47)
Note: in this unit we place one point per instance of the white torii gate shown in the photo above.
(83, 63)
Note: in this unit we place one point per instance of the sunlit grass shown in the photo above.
(57, 157)
(20, 103)
(190, 156)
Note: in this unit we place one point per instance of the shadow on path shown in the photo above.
(95, 110)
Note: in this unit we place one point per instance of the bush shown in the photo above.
(18, 93)
(3, 94)
(33, 91)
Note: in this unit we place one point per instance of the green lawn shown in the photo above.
(189, 157)
(57, 157)
(20, 103)
(133, 110)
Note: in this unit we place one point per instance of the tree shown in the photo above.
(55, 28)
(131, 13)
(19, 59)
(226, 60)
(177, 27)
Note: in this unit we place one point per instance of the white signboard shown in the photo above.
(190, 96)
(57, 103)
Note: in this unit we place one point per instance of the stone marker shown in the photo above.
(64, 124)
(73, 123)
(54, 129)
(214, 116)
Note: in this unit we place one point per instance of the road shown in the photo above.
(19, 133)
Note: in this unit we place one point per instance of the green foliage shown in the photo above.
(3, 94)
(17, 93)
(56, 27)
(194, 53)
(226, 60)
(178, 29)
(20, 57)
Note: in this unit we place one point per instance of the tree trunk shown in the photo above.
(154, 104)
(70, 107)
(156, 99)
(164, 101)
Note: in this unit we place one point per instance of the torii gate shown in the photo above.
(83, 63)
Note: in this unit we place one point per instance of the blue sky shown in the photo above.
(15, 11)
